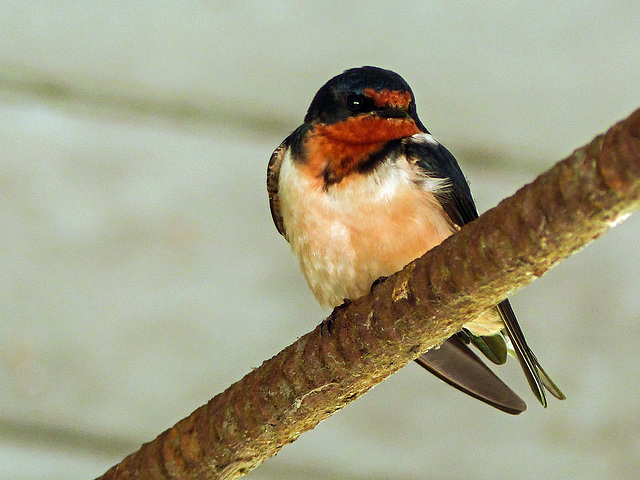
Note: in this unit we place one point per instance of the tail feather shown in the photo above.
(547, 382)
(535, 374)
(456, 364)
(493, 347)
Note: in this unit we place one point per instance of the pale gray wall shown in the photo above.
(143, 275)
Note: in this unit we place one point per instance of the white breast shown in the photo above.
(367, 226)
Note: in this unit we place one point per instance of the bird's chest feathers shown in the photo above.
(369, 225)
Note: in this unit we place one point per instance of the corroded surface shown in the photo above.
(505, 249)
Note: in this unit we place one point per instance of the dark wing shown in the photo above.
(436, 161)
(457, 202)
(273, 179)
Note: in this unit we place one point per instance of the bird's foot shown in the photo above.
(327, 324)
(378, 282)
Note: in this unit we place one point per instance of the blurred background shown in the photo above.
(142, 273)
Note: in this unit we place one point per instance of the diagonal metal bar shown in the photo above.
(416, 309)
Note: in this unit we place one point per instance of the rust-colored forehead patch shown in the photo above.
(389, 98)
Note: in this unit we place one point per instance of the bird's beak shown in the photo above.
(393, 112)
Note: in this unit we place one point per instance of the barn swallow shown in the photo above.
(360, 190)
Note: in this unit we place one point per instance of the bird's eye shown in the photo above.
(355, 102)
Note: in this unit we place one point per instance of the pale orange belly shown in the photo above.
(349, 235)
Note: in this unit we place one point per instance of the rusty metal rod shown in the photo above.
(508, 247)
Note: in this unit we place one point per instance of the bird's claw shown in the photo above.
(327, 323)
(378, 281)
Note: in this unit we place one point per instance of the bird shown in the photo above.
(360, 190)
